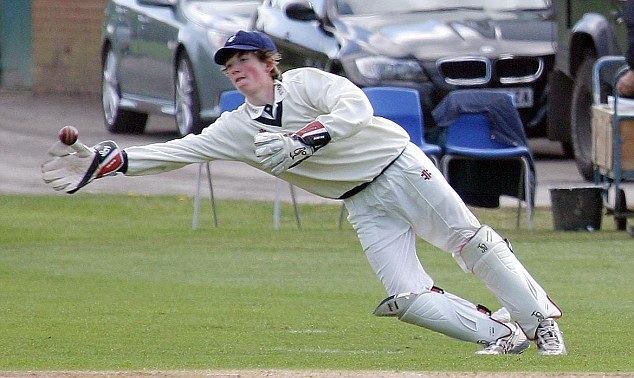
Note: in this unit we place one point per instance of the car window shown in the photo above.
(365, 7)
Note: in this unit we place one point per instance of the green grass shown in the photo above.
(123, 283)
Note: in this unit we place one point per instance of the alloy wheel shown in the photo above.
(110, 89)
(184, 98)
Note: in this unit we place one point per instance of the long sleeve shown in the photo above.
(218, 141)
(352, 157)
(345, 108)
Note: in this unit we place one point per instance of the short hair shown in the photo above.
(273, 57)
(265, 56)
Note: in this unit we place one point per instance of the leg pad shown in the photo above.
(445, 313)
(490, 258)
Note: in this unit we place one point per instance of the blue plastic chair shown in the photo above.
(231, 100)
(403, 106)
(470, 137)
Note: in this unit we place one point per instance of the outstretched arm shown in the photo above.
(74, 165)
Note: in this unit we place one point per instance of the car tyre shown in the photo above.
(117, 120)
(186, 99)
(581, 118)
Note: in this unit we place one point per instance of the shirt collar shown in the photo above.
(255, 111)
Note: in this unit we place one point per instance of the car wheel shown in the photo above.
(117, 120)
(581, 118)
(186, 99)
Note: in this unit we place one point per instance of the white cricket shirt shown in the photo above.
(361, 145)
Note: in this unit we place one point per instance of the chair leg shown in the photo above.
(295, 206)
(277, 206)
(530, 203)
(519, 209)
(520, 188)
(444, 166)
(197, 197)
(214, 214)
(277, 211)
(196, 216)
(342, 214)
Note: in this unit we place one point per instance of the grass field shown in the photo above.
(122, 283)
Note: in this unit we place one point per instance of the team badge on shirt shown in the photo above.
(425, 174)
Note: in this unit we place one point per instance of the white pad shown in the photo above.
(444, 313)
(489, 257)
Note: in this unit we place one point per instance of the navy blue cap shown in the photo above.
(244, 41)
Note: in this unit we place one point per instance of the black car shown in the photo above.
(434, 46)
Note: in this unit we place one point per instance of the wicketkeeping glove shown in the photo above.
(279, 152)
(73, 167)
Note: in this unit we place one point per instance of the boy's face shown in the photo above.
(247, 73)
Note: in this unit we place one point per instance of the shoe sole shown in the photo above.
(520, 348)
(553, 353)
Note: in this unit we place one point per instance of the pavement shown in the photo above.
(29, 124)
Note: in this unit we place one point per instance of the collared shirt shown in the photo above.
(269, 110)
(361, 145)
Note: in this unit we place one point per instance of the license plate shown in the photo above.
(522, 96)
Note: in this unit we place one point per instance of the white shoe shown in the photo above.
(550, 340)
(515, 343)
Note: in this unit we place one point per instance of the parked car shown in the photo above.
(434, 46)
(157, 58)
(587, 30)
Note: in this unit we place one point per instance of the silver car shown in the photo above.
(157, 58)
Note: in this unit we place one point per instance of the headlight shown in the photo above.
(383, 68)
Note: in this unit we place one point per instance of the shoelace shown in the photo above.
(548, 337)
(502, 344)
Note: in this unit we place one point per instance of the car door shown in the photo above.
(157, 32)
(125, 44)
(301, 43)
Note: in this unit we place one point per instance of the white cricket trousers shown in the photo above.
(410, 198)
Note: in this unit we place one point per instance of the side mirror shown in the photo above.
(300, 11)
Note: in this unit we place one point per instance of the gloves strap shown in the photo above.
(314, 135)
(108, 160)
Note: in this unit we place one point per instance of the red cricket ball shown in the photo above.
(68, 135)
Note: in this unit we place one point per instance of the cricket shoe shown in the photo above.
(550, 340)
(515, 343)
